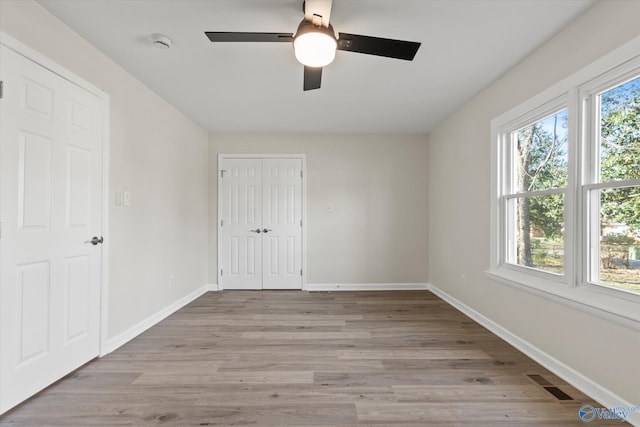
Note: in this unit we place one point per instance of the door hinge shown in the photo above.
(222, 173)
(221, 222)
(300, 174)
(221, 272)
(301, 272)
(1, 89)
(300, 223)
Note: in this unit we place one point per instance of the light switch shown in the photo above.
(126, 198)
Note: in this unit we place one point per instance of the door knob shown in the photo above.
(257, 230)
(266, 231)
(95, 240)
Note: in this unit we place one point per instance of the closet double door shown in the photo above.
(260, 223)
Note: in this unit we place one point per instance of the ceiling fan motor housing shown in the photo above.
(309, 27)
(315, 45)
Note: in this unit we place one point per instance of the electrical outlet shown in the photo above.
(463, 280)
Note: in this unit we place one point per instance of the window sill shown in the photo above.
(621, 310)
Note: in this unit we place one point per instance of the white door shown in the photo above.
(282, 224)
(50, 204)
(241, 224)
(261, 223)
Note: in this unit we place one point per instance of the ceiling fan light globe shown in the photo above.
(315, 49)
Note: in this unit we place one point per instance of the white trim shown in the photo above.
(536, 193)
(213, 287)
(126, 336)
(106, 245)
(303, 158)
(105, 103)
(218, 226)
(583, 383)
(326, 287)
(304, 222)
(612, 185)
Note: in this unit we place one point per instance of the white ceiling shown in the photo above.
(257, 87)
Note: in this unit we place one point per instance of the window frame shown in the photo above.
(591, 175)
(577, 94)
(509, 193)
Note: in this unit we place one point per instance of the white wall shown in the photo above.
(377, 232)
(459, 187)
(156, 153)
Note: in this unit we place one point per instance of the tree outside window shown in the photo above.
(540, 178)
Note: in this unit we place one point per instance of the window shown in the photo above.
(535, 198)
(566, 190)
(613, 187)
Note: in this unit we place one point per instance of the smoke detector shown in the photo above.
(161, 41)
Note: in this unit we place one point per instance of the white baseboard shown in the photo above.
(126, 336)
(324, 287)
(601, 394)
(214, 287)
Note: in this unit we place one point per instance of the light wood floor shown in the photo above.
(290, 358)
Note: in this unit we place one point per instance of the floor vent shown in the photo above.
(558, 394)
(549, 387)
(540, 380)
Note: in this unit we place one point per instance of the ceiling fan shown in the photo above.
(315, 43)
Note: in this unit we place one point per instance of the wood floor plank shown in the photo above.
(311, 363)
(244, 377)
(305, 335)
(291, 358)
(263, 323)
(195, 367)
(467, 393)
(306, 317)
(414, 353)
(481, 413)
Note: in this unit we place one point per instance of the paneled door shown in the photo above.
(260, 223)
(50, 205)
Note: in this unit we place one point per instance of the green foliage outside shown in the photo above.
(620, 154)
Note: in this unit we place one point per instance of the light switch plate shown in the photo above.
(126, 198)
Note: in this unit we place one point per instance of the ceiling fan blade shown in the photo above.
(390, 48)
(319, 8)
(226, 36)
(312, 77)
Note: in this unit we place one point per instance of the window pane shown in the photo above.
(539, 232)
(620, 132)
(620, 238)
(541, 151)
